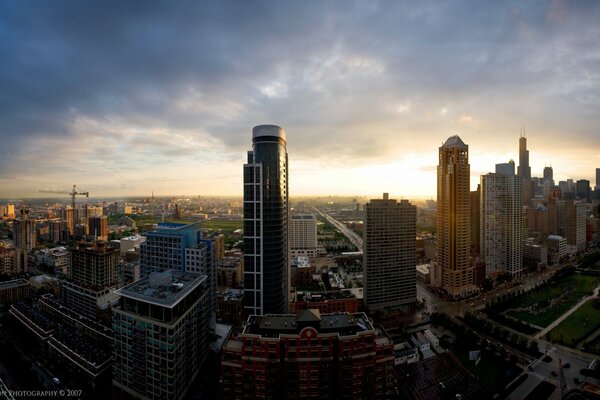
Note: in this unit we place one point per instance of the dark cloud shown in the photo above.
(348, 80)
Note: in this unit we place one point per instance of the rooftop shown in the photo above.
(274, 325)
(13, 283)
(455, 141)
(163, 288)
(268, 130)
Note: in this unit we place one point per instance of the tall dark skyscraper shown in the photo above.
(266, 279)
(549, 175)
(524, 170)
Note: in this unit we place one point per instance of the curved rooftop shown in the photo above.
(268, 130)
(455, 141)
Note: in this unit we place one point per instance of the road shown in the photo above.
(350, 234)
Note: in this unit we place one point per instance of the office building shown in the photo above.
(535, 256)
(575, 226)
(452, 270)
(506, 168)
(13, 290)
(310, 356)
(68, 214)
(93, 278)
(303, 235)
(98, 227)
(24, 237)
(501, 224)
(389, 258)
(218, 246)
(549, 176)
(57, 230)
(131, 243)
(524, 170)
(160, 335)
(584, 193)
(266, 210)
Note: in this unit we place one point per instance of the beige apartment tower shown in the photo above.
(453, 271)
(389, 258)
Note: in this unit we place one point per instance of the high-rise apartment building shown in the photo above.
(524, 170)
(303, 235)
(68, 214)
(179, 247)
(98, 227)
(309, 356)
(57, 230)
(8, 261)
(389, 258)
(25, 239)
(93, 278)
(161, 333)
(453, 271)
(501, 224)
(266, 214)
(575, 226)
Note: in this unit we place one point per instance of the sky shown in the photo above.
(126, 98)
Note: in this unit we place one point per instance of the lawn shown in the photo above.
(577, 326)
(223, 224)
(594, 346)
(591, 261)
(584, 284)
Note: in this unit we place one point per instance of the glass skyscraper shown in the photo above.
(266, 279)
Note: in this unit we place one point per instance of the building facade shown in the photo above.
(389, 258)
(266, 215)
(303, 235)
(160, 335)
(453, 271)
(309, 356)
(501, 222)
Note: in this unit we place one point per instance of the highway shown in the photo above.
(350, 234)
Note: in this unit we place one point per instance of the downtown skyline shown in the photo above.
(123, 101)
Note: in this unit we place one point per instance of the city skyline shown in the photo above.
(162, 100)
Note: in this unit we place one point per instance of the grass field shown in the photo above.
(577, 326)
(224, 225)
(583, 286)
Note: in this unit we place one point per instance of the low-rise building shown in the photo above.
(325, 302)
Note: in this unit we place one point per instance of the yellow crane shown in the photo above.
(72, 193)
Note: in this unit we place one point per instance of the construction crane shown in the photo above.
(72, 193)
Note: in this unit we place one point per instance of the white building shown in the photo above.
(557, 248)
(130, 243)
(501, 224)
(303, 235)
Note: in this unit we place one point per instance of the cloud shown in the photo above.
(131, 89)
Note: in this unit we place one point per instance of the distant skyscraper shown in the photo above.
(266, 278)
(502, 224)
(549, 175)
(506, 168)
(597, 178)
(583, 190)
(524, 169)
(452, 270)
(389, 254)
(575, 226)
(25, 239)
(474, 200)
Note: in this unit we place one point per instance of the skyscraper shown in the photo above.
(389, 254)
(452, 270)
(266, 209)
(502, 224)
(583, 190)
(25, 239)
(524, 170)
(303, 235)
(549, 175)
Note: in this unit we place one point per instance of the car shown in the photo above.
(554, 374)
(567, 365)
(56, 380)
